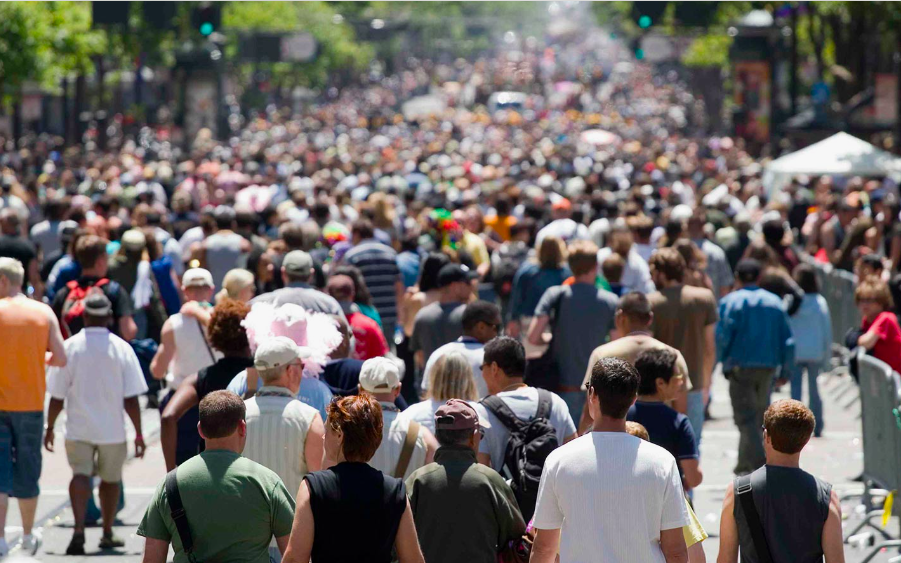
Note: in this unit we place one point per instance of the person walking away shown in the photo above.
(406, 445)
(101, 379)
(608, 496)
(184, 350)
(666, 427)
(458, 493)
(812, 328)
(531, 280)
(693, 533)
(562, 225)
(881, 333)
(717, 265)
(481, 323)
(685, 318)
(582, 321)
(232, 506)
(378, 263)
(228, 337)
(633, 322)
(297, 272)
(752, 315)
(442, 322)
(351, 495)
(14, 245)
(370, 342)
(451, 378)
(68, 304)
(636, 276)
(283, 433)
(28, 329)
(799, 517)
(222, 250)
(525, 423)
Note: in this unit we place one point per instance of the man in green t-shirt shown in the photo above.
(234, 506)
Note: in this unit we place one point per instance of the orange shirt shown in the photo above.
(501, 225)
(24, 332)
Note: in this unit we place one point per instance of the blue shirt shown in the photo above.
(312, 391)
(753, 331)
(812, 329)
(666, 427)
(408, 262)
(529, 284)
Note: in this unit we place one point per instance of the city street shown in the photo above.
(836, 457)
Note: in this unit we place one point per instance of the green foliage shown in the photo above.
(708, 50)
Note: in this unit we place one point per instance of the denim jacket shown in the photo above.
(753, 331)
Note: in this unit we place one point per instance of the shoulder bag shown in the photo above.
(743, 495)
(406, 453)
(177, 511)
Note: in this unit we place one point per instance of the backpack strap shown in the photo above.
(406, 453)
(504, 413)
(177, 511)
(544, 404)
(743, 493)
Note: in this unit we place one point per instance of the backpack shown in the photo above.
(73, 306)
(530, 444)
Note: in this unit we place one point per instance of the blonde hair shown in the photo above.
(383, 214)
(233, 283)
(875, 289)
(451, 378)
(12, 269)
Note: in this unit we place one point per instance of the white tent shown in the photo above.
(839, 155)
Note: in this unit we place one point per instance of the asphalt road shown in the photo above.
(836, 457)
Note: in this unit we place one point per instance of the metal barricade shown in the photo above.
(879, 398)
(837, 287)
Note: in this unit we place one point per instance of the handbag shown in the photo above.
(518, 550)
(543, 372)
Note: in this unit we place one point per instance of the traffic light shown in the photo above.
(647, 14)
(206, 18)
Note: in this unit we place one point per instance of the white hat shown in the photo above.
(197, 277)
(277, 352)
(133, 239)
(379, 375)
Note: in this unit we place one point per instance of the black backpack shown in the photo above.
(530, 444)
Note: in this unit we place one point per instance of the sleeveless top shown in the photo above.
(217, 376)
(24, 332)
(222, 254)
(793, 506)
(192, 352)
(352, 498)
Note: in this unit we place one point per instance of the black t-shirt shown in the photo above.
(20, 249)
(666, 427)
(114, 292)
(217, 376)
(352, 496)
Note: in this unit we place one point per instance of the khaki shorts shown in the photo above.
(104, 460)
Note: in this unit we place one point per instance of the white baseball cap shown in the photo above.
(277, 352)
(197, 277)
(379, 375)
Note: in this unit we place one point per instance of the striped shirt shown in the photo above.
(394, 432)
(277, 426)
(378, 262)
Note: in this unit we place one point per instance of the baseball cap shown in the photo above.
(197, 277)
(562, 203)
(133, 239)
(277, 352)
(379, 375)
(748, 270)
(457, 414)
(297, 262)
(97, 305)
(450, 273)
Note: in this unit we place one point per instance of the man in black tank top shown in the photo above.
(799, 515)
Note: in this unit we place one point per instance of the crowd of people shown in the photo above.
(454, 338)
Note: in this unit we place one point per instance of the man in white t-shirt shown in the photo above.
(608, 496)
(101, 379)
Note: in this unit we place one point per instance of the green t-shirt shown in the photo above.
(234, 507)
